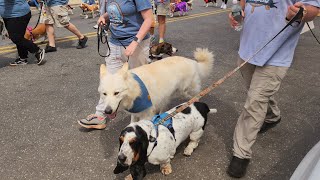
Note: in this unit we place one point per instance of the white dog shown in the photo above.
(142, 141)
(146, 90)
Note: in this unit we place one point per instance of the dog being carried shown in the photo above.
(142, 141)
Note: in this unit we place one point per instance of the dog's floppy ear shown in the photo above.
(103, 70)
(144, 143)
(138, 170)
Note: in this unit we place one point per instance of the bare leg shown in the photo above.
(50, 35)
(72, 28)
(162, 26)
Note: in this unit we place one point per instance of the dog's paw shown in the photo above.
(188, 151)
(129, 177)
(166, 170)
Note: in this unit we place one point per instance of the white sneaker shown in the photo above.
(222, 5)
(95, 26)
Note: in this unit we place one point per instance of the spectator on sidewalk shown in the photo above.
(129, 41)
(56, 12)
(16, 15)
(264, 73)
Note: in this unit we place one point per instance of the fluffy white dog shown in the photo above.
(146, 90)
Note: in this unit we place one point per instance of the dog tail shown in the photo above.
(205, 60)
(212, 111)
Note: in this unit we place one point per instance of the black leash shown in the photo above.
(313, 33)
(103, 38)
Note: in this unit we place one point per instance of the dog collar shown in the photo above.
(143, 101)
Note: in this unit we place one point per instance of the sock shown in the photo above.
(161, 40)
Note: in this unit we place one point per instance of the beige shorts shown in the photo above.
(55, 15)
(163, 8)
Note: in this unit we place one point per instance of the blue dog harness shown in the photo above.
(156, 122)
(142, 102)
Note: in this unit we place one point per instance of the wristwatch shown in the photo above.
(137, 39)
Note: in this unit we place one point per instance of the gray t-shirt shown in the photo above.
(263, 20)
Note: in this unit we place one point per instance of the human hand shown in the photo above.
(131, 48)
(293, 10)
(233, 23)
(102, 20)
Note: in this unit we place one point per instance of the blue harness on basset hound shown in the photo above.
(142, 102)
(156, 122)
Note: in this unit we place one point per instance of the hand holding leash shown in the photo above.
(103, 37)
(131, 48)
(232, 21)
(294, 10)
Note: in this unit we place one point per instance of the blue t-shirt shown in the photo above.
(126, 19)
(263, 20)
(13, 8)
(51, 3)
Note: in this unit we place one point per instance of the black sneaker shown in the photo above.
(19, 62)
(266, 126)
(82, 42)
(40, 56)
(238, 167)
(50, 49)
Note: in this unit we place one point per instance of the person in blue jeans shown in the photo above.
(264, 73)
(130, 21)
(16, 15)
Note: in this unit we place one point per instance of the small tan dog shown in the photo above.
(90, 10)
(36, 33)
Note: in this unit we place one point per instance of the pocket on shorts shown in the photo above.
(63, 16)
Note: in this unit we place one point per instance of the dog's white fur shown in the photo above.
(184, 124)
(163, 79)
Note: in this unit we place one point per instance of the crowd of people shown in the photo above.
(130, 22)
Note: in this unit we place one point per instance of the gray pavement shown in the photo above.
(40, 138)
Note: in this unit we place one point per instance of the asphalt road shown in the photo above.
(40, 106)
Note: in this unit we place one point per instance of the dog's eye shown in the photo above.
(105, 94)
(131, 142)
(116, 93)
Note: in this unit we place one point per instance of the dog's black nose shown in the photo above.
(108, 110)
(122, 158)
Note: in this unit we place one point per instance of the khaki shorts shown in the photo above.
(163, 8)
(56, 15)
